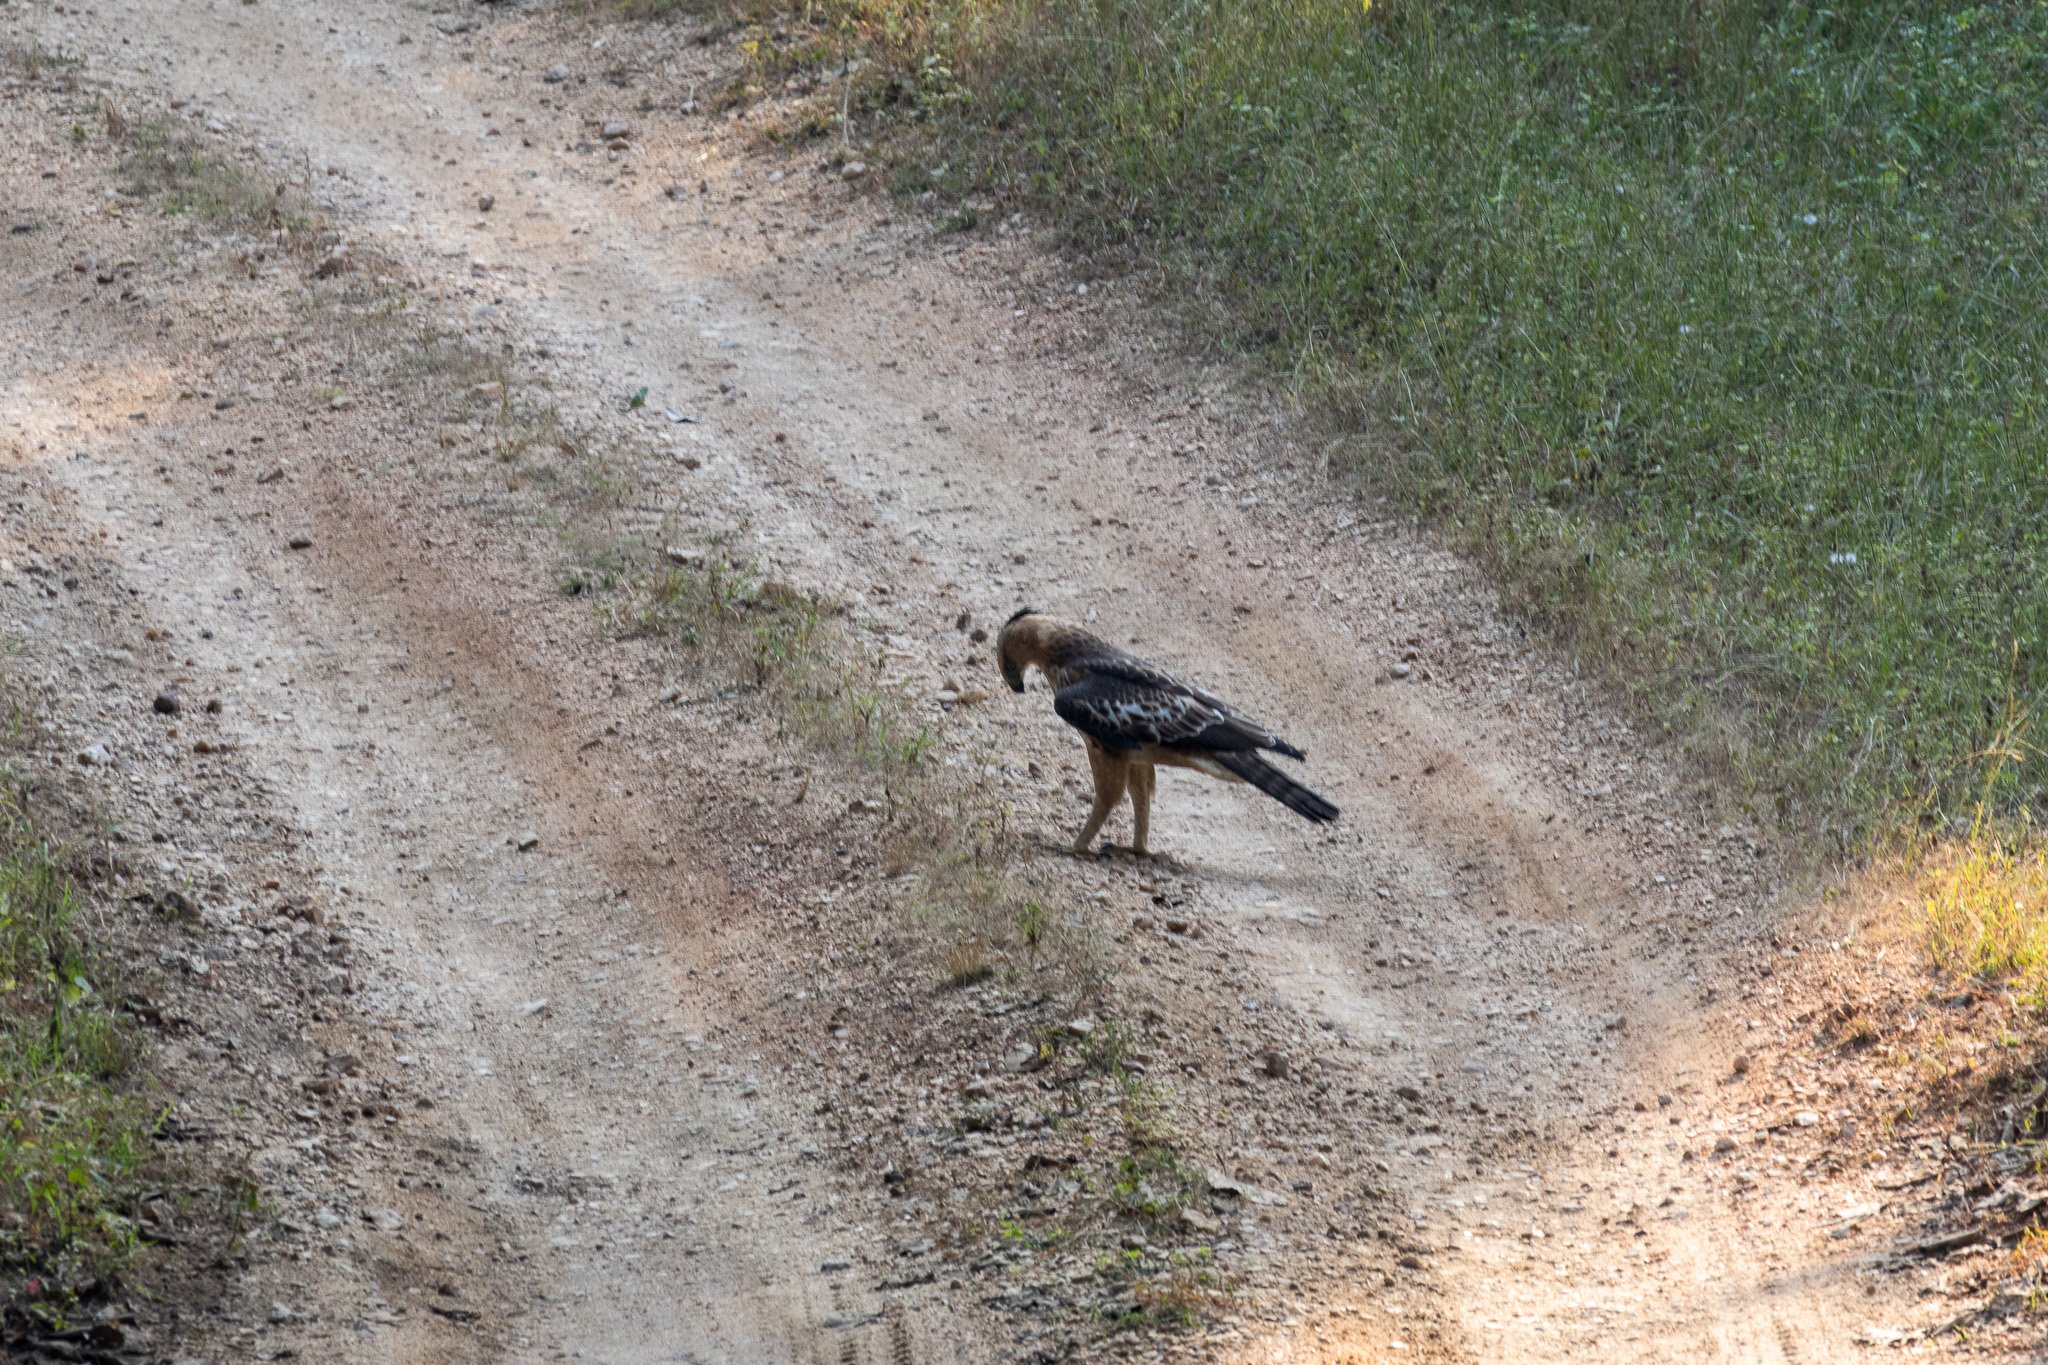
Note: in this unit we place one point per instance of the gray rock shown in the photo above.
(555, 74)
(1216, 1182)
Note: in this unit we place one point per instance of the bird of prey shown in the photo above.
(1135, 718)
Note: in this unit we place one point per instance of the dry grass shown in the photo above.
(34, 62)
(1985, 910)
(1985, 894)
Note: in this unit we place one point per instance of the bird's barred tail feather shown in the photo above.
(1278, 785)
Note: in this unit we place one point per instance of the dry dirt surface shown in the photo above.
(634, 1038)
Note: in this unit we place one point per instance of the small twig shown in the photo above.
(1944, 1244)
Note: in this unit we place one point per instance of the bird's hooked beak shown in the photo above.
(1013, 672)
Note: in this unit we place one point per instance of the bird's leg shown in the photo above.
(1143, 779)
(1112, 774)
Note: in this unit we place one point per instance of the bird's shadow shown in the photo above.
(1273, 877)
(1108, 854)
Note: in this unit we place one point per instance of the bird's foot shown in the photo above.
(1110, 850)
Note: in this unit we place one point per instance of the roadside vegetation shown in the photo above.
(75, 1125)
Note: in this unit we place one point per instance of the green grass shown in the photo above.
(74, 1137)
(1667, 310)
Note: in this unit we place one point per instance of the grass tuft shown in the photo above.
(788, 647)
(190, 178)
(804, 665)
(1985, 894)
(35, 62)
(1985, 912)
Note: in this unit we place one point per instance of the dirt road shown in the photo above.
(1508, 986)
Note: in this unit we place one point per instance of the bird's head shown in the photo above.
(1031, 639)
(1016, 647)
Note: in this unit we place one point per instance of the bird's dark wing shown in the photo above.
(1227, 728)
(1114, 663)
(1119, 713)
